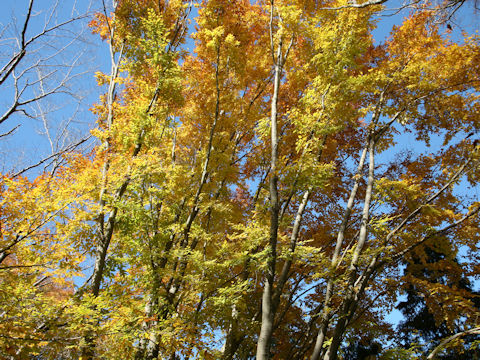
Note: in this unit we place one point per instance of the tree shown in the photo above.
(255, 197)
(43, 54)
(432, 265)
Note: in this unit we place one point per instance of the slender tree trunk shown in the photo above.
(232, 341)
(352, 296)
(325, 316)
(173, 286)
(335, 262)
(268, 314)
(104, 229)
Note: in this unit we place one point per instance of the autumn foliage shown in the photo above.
(271, 193)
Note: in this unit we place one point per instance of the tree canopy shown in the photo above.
(272, 191)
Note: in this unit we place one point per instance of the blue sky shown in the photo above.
(71, 53)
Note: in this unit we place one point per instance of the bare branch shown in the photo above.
(434, 353)
(445, 230)
(354, 5)
(9, 132)
(58, 153)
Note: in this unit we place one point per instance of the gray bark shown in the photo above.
(325, 316)
(266, 329)
(350, 301)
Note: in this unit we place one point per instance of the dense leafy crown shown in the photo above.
(270, 193)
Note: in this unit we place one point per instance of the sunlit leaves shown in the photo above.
(182, 169)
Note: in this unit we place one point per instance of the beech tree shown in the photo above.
(259, 196)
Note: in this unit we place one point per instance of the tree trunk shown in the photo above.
(268, 313)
